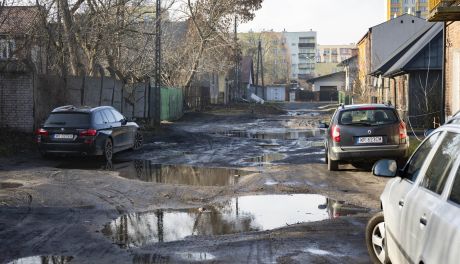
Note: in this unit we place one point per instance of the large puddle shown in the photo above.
(281, 134)
(146, 171)
(241, 214)
(43, 260)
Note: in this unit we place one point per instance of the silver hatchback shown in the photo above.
(363, 134)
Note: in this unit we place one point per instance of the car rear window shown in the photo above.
(368, 117)
(68, 120)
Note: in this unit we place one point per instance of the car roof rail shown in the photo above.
(65, 107)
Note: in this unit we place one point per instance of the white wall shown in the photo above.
(292, 42)
(276, 93)
(339, 84)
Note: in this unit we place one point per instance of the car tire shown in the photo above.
(332, 165)
(108, 150)
(376, 239)
(138, 141)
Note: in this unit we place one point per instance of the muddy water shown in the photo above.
(182, 174)
(281, 134)
(43, 260)
(265, 160)
(9, 185)
(240, 214)
(146, 171)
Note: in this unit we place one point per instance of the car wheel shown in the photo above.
(332, 165)
(376, 239)
(138, 141)
(108, 149)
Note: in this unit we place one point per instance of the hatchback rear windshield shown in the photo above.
(368, 117)
(75, 120)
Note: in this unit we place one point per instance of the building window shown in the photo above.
(395, 1)
(7, 48)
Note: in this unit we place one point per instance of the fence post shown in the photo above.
(82, 93)
(101, 90)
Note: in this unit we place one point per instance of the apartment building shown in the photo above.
(400, 7)
(302, 48)
(334, 53)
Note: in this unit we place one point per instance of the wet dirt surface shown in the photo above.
(217, 196)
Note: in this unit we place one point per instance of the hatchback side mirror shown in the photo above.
(385, 168)
(124, 122)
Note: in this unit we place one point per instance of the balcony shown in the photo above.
(444, 10)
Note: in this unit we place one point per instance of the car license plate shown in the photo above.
(370, 140)
(63, 136)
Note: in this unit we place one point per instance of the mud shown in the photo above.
(186, 180)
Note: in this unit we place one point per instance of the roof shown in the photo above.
(357, 106)
(16, 20)
(390, 60)
(348, 61)
(332, 75)
(415, 50)
(383, 23)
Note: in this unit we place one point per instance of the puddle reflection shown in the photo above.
(146, 171)
(266, 159)
(43, 260)
(269, 135)
(241, 214)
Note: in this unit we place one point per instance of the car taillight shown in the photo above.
(402, 131)
(335, 133)
(41, 132)
(88, 133)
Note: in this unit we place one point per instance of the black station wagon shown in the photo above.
(87, 131)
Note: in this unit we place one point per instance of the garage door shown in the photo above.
(328, 93)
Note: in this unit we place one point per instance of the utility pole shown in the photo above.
(260, 64)
(236, 90)
(157, 85)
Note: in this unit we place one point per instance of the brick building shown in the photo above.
(448, 12)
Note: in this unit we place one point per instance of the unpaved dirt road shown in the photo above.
(231, 185)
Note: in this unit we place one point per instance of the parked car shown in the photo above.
(363, 134)
(420, 218)
(87, 131)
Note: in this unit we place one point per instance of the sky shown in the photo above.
(335, 21)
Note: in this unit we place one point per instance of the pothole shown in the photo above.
(10, 185)
(43, 260)
(265, 159)
(144, 170)
(237, 215)
(281, 134)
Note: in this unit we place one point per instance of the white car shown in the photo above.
(420, 218)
